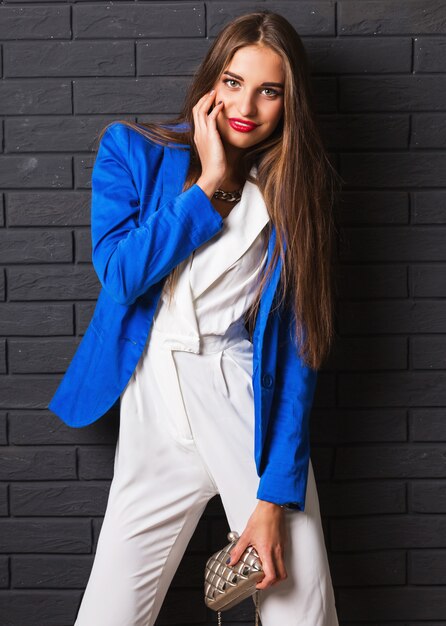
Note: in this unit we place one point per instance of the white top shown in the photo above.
(217, 282)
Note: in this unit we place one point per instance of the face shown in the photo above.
(248, 93)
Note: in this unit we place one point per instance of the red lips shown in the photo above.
(241, 125)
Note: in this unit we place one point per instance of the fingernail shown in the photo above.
(212, 91)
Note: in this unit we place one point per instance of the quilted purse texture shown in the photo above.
(225, 585)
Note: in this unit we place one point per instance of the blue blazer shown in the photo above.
(142, 226)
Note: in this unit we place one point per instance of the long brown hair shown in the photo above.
(294, 175)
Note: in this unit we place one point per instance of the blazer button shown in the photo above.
(267, 380)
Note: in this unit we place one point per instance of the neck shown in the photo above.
(232, 179)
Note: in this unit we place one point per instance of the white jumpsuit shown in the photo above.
(187, 434)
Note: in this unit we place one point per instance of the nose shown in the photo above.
(247, 105)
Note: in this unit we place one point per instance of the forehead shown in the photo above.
(257, 63)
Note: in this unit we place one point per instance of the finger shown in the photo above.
(204, 98)
(237, 551)
(199, 105)
(215, 111)
(201, 108)
(205, 102)
(280, 564)
(269, 569)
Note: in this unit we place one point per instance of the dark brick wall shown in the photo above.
(379, 422)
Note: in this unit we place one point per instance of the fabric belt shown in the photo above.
(199, 344)
(162, 346)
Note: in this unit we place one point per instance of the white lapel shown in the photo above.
(243, 224)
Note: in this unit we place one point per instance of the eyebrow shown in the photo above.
(262, 85)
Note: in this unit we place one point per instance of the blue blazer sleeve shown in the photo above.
(129, 257)
(285, 477)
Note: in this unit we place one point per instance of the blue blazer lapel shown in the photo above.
(270, 290)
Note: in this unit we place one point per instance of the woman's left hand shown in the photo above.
(265, 531)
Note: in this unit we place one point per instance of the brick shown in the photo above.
(37, 463)
(404, 92)
(428, 281)
(36, 319)
(349, 132)
(43, 355)
(361, 55)
(428, 131)
(373, 207)
(4, 506)
(369, 568)
(58, 283)
(28, 97)
(308, 18)
(69, 58)
(48, 208)
(170, 19)
(3, 433)
(40, 428)
(355, 499)
(52, 134)
(397, 461)
(3, 368)
(322, 460)
(429, 207)
(96, 462)
(51, 608)
(47, 536)
(69, 499)
(428, 352)
(28, 22)
(427, 496)
(390, 18)
(371, 281)
(397, 316)
(356, 425)
(35, 171)
(427, 424)
(392, 389)
(52, 571)
(83, 246)
(18, 245)
(4, 572)
(170, 56)
(388, 532)
(26, 392)
(368, 354)
(427, 567)
(151, 95)
(401, 243)
(396, 604)
(429, 54)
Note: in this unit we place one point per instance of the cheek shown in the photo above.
(275, 115)
(276, 110)
(219, 96)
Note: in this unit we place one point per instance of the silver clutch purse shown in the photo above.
(226, 585)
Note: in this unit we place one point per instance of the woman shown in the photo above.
(195, 330)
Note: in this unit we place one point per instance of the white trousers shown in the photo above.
(162, 484)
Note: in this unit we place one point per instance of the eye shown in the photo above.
(273, 91)
(231, 80)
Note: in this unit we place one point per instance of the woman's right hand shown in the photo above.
(208, 141)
